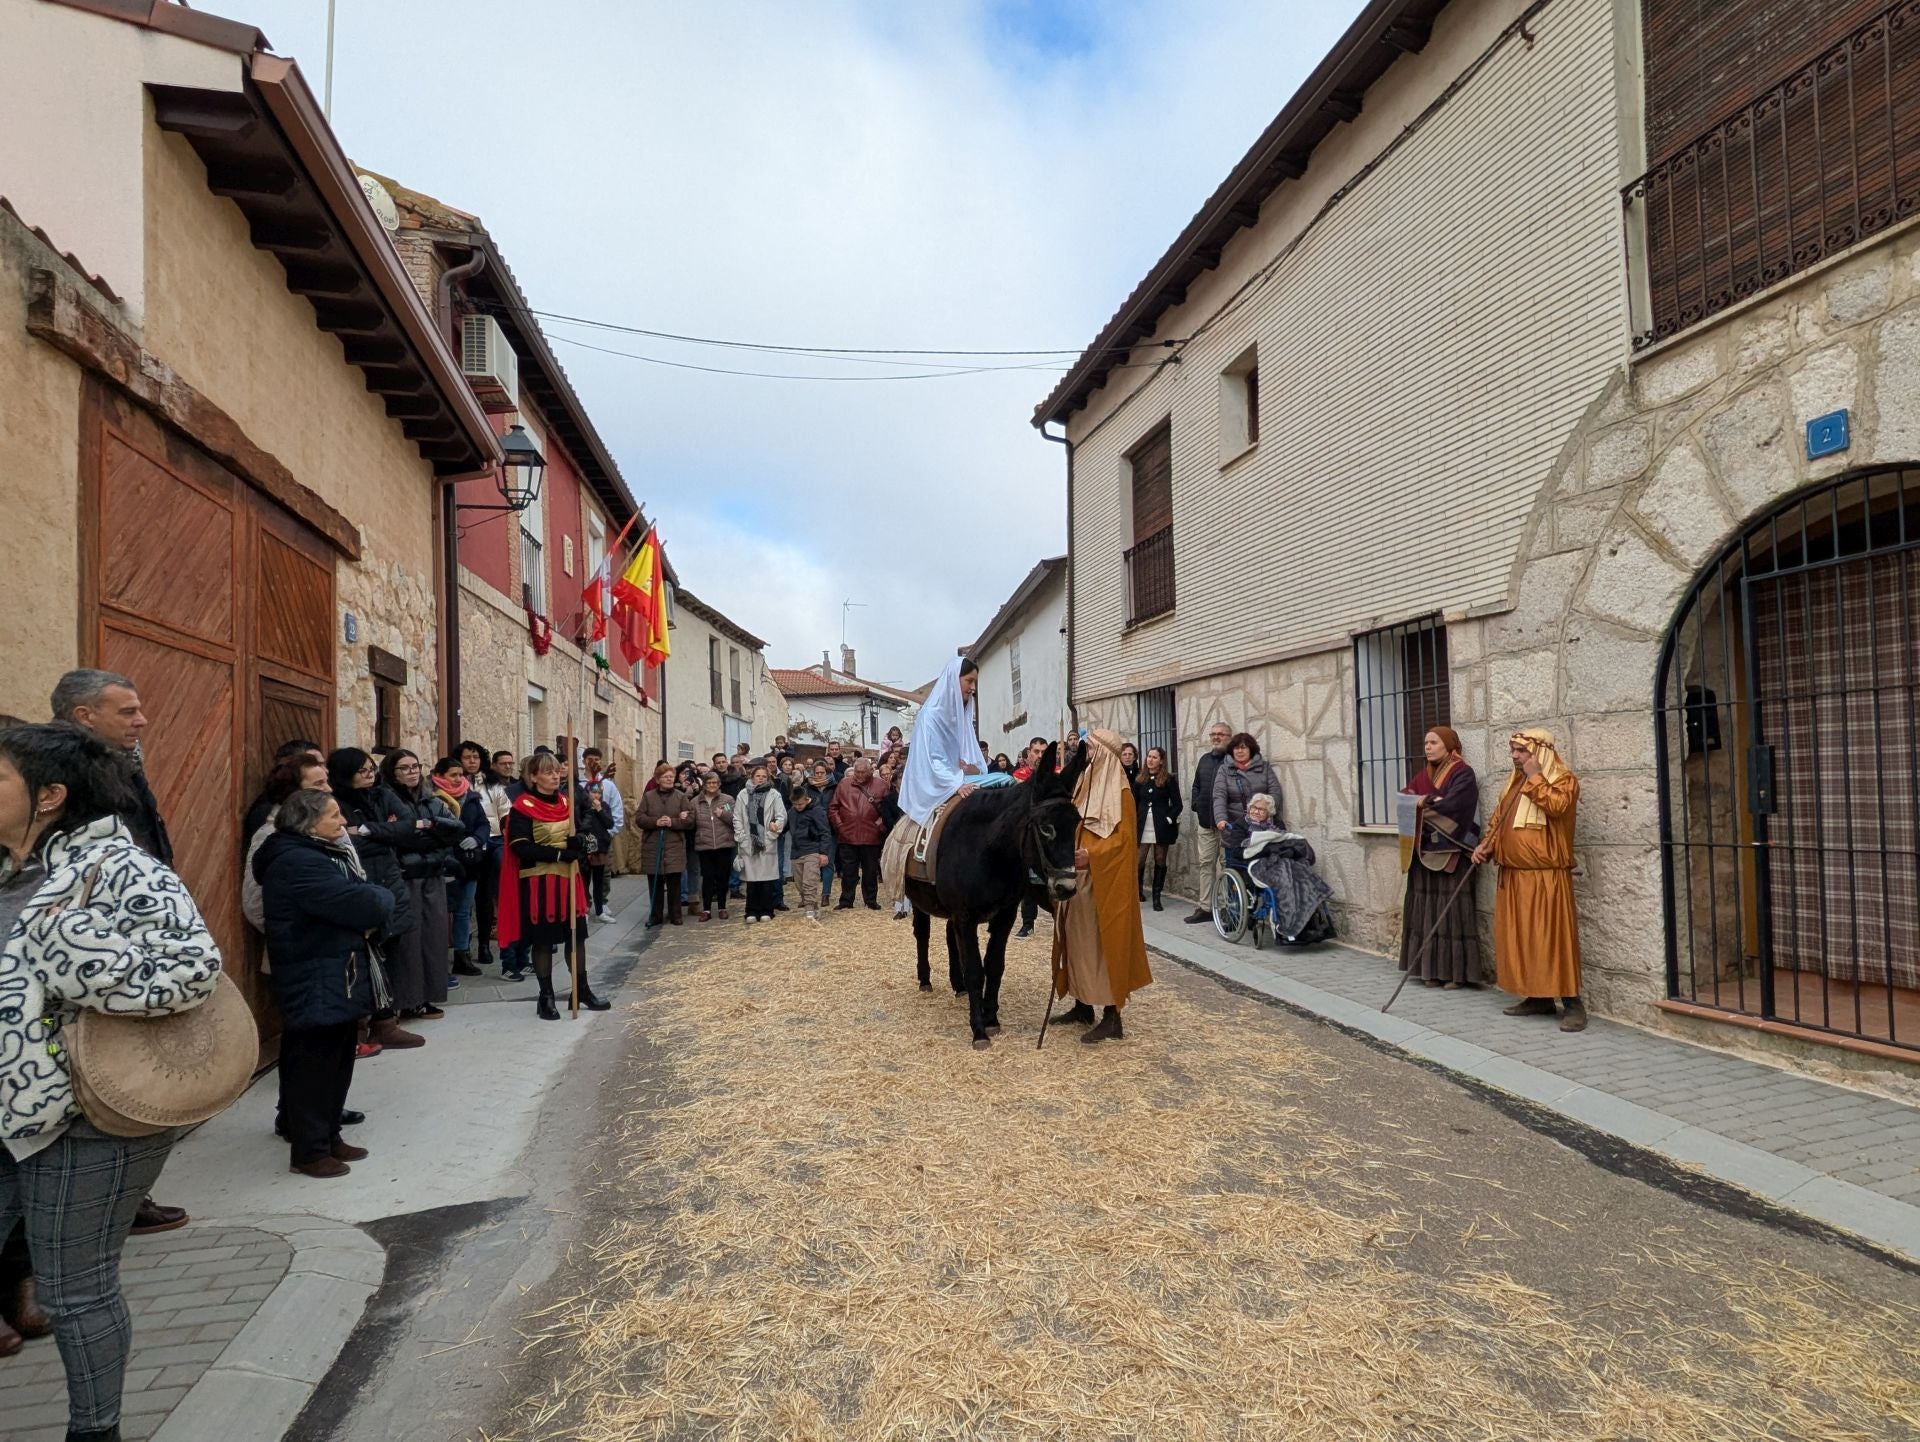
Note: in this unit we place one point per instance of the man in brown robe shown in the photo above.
(1099, 949)
(1536, 933)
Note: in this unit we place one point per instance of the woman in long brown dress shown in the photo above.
(1439, 937)
(1536, 934)
(1099, 946)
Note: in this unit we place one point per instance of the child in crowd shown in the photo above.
(812, 841)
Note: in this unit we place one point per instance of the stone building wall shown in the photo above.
(1679, 452)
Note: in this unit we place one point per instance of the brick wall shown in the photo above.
(1705, 58)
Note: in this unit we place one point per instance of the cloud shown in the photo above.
(989, 174)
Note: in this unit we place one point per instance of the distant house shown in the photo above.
(828, 703)
(719, 689)
(1022, 656)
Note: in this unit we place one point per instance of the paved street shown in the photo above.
(820, 1214)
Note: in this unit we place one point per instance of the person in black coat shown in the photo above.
(418, 958)
(1156, 803)
(1206, 839)
(321, 910)
(379, 824)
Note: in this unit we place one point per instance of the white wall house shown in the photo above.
(719, 689)
(824, 708)
(1022, 655)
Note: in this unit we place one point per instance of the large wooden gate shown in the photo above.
(219, 606)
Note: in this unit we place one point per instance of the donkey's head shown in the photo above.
(1051, 829)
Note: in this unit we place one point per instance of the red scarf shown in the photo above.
(456, 788)
(552, 898)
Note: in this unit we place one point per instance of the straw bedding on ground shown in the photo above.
(830, 1218)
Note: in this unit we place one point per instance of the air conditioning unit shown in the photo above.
(489, 364)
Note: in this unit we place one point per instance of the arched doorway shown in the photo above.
(1788, 698)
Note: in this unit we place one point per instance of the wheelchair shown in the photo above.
(1243, 904)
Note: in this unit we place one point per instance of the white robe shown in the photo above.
(945, 742)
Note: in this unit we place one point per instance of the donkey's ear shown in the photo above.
(1042, 776)
(1070, 777)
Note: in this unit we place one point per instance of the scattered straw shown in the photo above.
(830, 1218)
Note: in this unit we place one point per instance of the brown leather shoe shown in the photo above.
(324, 1168)
(1574, 1018)
(10, 1341)
(390, 1035)
(1529, 1006)
(152, 1217)
(29, 1318)
(348, 1152)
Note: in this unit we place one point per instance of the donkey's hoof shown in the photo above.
(982, 1043)
(926, 986)
(993, 1025)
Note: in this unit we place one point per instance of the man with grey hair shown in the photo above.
(1206, 840)
(107, 704)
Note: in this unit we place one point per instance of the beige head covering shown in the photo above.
(1102, 784)
(1540, 742)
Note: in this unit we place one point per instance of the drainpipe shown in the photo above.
(1062, 440)
(450, 720)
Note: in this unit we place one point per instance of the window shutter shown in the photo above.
(1152, 465)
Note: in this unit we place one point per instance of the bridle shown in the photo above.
(1030, 852)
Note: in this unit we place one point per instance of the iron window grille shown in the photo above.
(1791, 850)
(1013, 664)
(715, 695)
(1156, 726)
(733, 669)
(533, 574)
(1150, 577)
(1402, 690)
(1826, 158)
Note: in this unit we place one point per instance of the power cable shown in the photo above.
(791, 376)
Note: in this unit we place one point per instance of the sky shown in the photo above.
(902, 174)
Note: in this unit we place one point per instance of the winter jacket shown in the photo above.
(1203, 778)
(1163, 802)
(611, 798)
(431, 853)
(761, 865)
(318, 916)
(108, 929)
(149, 827)
(712, 822)
(855, 812)
(597, 824)
(808, 833)
(663, 850)
(380, 823)
(1234, 788)
(496, 800)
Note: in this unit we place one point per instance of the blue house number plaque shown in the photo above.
(1827, 435)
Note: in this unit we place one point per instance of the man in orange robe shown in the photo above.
(1099, 949)
(1536, 933)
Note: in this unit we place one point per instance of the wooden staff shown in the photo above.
(1466, 875)
(1053, 983)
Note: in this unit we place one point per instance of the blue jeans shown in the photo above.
(460, 908)
(826, 876)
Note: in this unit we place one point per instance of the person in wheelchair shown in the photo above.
(1270, 882)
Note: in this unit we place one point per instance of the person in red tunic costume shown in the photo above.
(542, 892)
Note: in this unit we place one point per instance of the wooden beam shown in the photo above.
(438, 428)
(1287, 165)
(395, 380)
(414, 406)
(1409, 37)
(291, 237)
(364, 350)
(1208, 256)
(238, 180)
(206, 114)
(320, 278)
(351, 317)
(1246, 212)
(59, 316)
(1341, 107)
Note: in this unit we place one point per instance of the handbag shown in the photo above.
(135, 1076)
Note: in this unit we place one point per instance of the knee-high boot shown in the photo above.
(543, 970)
(1159, 881)
(1142, 878)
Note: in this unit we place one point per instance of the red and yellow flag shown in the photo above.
(639, 605)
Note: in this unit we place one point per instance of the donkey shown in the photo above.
(996, 843)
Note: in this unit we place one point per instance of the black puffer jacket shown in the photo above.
(1203, 775)
(429, 854)
(381, 823)
(318, 916)
(1162, 802)
(807, 828)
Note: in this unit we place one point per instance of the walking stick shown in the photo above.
(1466, 875)
(1053, 987)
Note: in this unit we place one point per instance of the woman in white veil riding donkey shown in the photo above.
(942, 760)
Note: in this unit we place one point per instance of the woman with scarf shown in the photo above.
(1099, 947)
(944, 763)
(1536, 934)
(320, 910)
(759, 819)
(664, 820)
(1156, 800)
(379, 823)
(454, 788)
(417, 962)
(543, 896)
(1439, 907)
(1244, 775)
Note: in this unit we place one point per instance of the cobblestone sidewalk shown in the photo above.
(190, 1293)
(1844, 1157)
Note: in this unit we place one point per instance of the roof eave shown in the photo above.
(1282, 153)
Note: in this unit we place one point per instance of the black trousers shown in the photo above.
(859, 865)
(716, 865)
(1029, 911)
(316, 1069)
(761, 896)
(665, 896)
(486, 900)
(599, 880)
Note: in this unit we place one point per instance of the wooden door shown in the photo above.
(219, 607)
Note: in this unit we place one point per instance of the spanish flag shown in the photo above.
(640, 607)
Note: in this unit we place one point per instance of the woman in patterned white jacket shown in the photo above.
(87, 921)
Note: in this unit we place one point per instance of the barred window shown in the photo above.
(1155, 725)
(1401, 691)
(1013, 663)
